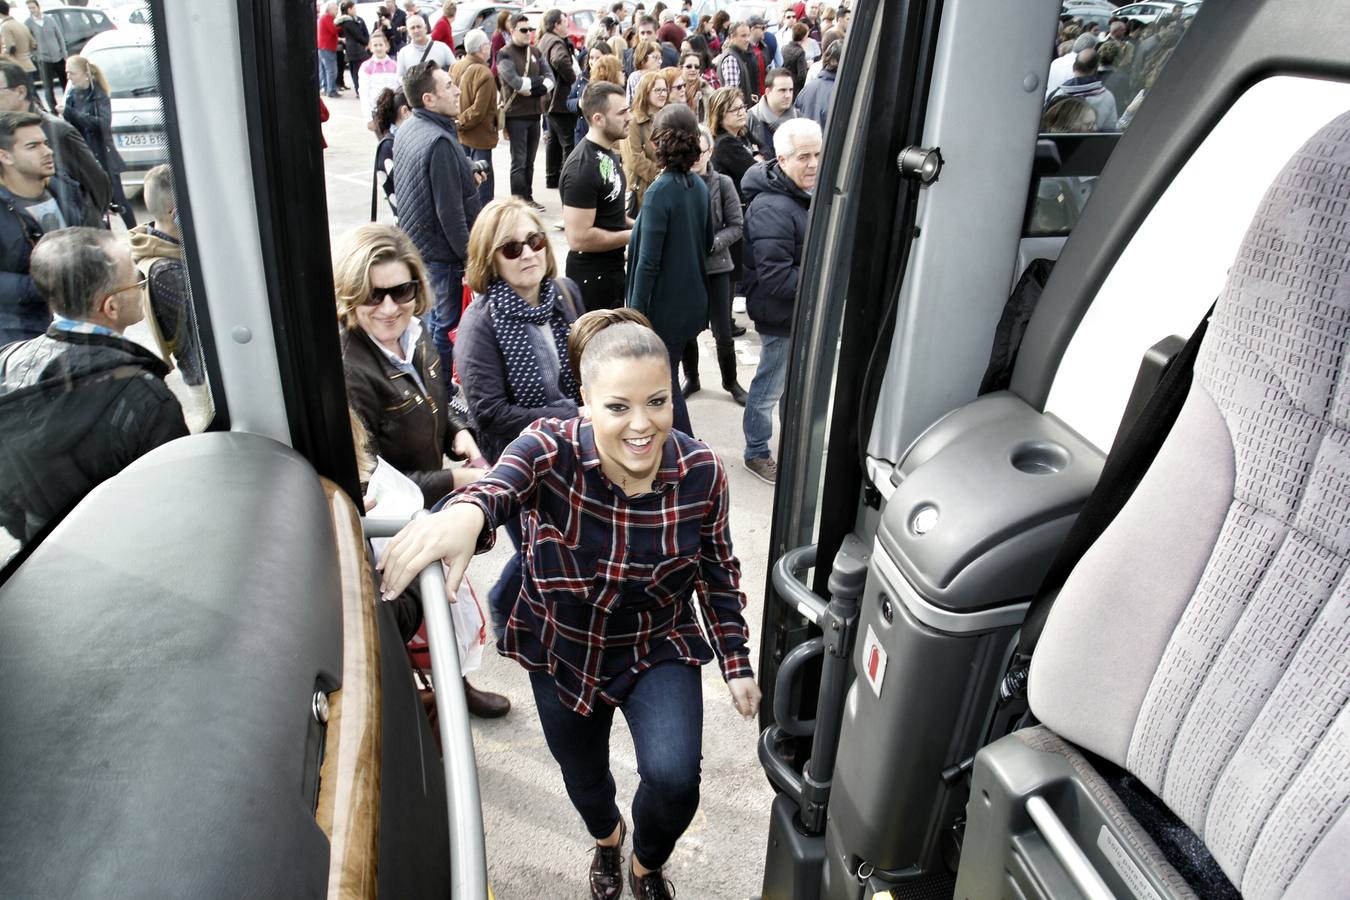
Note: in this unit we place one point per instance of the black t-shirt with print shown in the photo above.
(593, 179)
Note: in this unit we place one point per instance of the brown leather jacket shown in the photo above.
(478, 102)
(411, 428)
(640, 165)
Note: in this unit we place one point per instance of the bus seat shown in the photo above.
(1201, 648)
(160, 652)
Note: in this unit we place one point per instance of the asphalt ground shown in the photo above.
(537, 846)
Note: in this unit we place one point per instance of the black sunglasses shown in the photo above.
(524, 29)
(399, 293)
(535, 240)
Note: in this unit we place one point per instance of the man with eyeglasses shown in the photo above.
(34, 200)
(79, 403)
(593, 187)
(437, 193)
(526, 81)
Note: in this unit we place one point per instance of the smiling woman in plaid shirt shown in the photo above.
(624, 521)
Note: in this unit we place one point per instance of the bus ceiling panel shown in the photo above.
(1229, 47)
(1176, 263)
(204, 101)
(985, 118)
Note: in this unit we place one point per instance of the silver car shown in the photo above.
(126, 56)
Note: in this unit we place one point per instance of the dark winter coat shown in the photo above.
(23, 312)
(733, 157)
(90, 110)
(497, 417)
(75, 409)
(409, 427)
(667, 257)
(75, 159)
(775, 232)
(561, 61)
(794, 60)
(355, 38)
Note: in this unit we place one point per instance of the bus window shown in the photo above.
(102, 357)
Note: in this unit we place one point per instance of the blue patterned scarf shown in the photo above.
(510, 317)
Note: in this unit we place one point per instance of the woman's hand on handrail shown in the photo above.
(450, 535)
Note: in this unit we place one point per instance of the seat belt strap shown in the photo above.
(1124, 468)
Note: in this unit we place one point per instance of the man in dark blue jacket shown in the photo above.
(34, 200)
(437, 193)
(779, 195)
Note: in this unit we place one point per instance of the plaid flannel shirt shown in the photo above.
(608, 578)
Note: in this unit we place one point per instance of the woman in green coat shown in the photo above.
(667, 256)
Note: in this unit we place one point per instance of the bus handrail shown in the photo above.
(468, 853)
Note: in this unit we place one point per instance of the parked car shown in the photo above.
(469, 16)
(79, 24)
(1147, 12)
(126, 56)
(128, 12)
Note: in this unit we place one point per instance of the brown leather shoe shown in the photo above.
(652, 886)
(607, 868)
(483, 704)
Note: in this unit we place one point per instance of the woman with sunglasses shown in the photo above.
(394, 377)
(697, 92)
(640, 166)
(511, 350)
(629, 543)
(394, 380)
(667, 255)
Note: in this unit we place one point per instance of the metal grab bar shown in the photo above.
(1067, 851)
(782, 692)
(468, 853)
(789, 587)
(783, 776)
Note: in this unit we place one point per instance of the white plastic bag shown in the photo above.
(395, 495)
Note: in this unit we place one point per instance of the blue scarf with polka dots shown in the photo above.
(511, 316)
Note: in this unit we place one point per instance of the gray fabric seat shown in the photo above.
(1203, 643)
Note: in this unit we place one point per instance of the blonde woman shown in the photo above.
(511, 350)
(675, 87)
(88, 107)
(640, 165)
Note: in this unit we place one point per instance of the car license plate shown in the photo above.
(142, 139)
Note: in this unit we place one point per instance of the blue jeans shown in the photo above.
(447, 283)
(765, 390)
(502, 597)
(328, 72)
(489, 187)
(665, 716)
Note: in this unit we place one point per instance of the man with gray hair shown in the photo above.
(778, 192)
(477, 120)
(81, 402)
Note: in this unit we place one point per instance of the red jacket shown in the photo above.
(442, 32)
(328, 33)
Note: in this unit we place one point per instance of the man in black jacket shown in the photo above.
(779, 196)
(437, 193)
(562, 122)
(81, 402)
(526, 81)
(34, 199)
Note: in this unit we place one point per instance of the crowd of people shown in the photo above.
(684, 170)
(683, 154)
(1099, 76)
